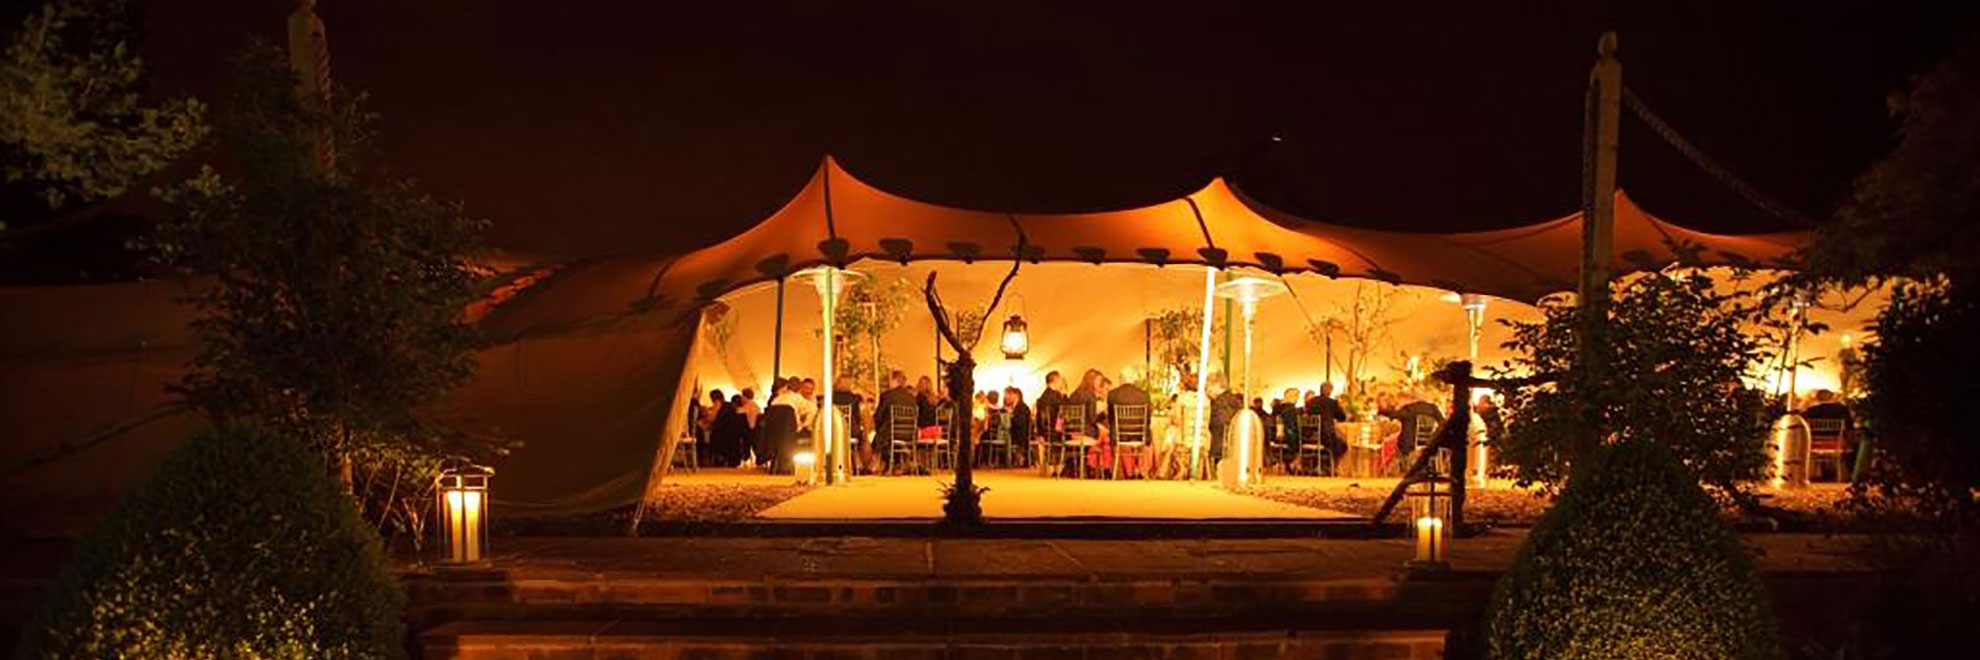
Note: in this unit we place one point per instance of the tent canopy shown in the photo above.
(838, 219)
(587, 361)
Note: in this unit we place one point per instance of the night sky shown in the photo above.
(594, 128)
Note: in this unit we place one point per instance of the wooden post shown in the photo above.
(1458, 374)
(777, 342)
(962, 384)
(1603, 109)
(309, 60)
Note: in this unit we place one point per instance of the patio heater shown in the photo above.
(1246, 429)
(826, 443)
(1474, 320)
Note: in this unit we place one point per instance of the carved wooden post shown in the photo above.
(1458, 374)
(963, 507)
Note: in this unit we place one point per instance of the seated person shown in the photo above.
(1020, 421)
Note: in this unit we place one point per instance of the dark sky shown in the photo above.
(600, 127)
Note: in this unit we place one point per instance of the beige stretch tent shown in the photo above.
(587, 366)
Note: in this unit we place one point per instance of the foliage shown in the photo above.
(1362, 324)
(1634, 561)
(239, 547)
(1679, 356)
(869, 310)
(1177, 337)
(969, 325)
(1909, 223)
(331, 302)
(1920, 420)
(72, 126)
(1911, 214)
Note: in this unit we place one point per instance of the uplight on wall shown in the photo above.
(1017, 338)
(463, 514)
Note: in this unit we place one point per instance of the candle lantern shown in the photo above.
(1017, 338)
(463, 514)
(1430, 513)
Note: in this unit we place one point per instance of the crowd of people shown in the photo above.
(1097, 427)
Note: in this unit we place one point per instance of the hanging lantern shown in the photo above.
(1017, 338)
(463, 515)
(1430, 513)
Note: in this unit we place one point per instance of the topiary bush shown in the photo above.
(1634, 561)
(242, 546)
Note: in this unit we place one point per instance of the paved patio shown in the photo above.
(1020, 494)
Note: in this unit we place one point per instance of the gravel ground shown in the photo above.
(705, 503)
(674, 504)
(1513, 507)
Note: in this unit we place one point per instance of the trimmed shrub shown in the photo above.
(1634, 561)
(242, 546)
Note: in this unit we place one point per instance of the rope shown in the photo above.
(1704, 162)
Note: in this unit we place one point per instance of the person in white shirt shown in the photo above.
(801, 404)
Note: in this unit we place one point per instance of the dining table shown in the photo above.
(1364, 448)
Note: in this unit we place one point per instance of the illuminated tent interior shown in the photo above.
(588, 361)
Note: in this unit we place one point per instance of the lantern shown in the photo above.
(1017, 338)
(463, 515)
(807, 465)
(1430, 514)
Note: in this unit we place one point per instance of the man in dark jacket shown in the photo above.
(1331, 415)
(1414, 414)
(897, 394)
(1224, 404)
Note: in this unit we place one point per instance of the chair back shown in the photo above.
(778, 426)
(1130, 423)
(1073, 418)
(901, 428)
(945, 417)
(1426, 431)
(1825, 434)
(1309, 427)
(997, 428)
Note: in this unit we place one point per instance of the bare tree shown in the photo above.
(1361, 324)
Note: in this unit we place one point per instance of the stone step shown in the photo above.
(918, 638)
(452, 595)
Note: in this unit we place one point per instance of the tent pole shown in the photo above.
(1227, 339)
(1203, 374)
(829, 412)
(777, 343)
(1148, 350)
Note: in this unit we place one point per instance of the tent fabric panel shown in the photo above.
(589, 409)
(46, 406)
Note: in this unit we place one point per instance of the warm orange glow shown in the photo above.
(1430, 541)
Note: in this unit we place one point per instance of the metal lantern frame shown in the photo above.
(1430, 522)
(1016, 340)
(461, 500)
